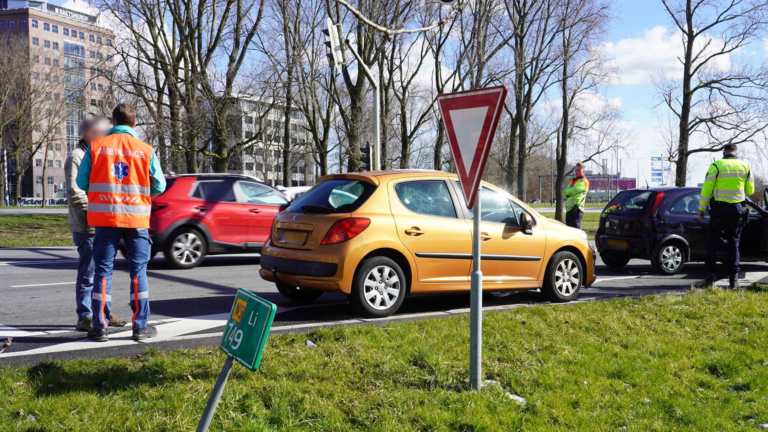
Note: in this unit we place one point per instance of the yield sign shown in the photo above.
(470, 120)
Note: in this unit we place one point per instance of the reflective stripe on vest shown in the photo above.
(119, 189)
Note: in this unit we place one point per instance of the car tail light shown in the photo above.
(656, 204)
(273, 230)
(158, 206)
(345, 229)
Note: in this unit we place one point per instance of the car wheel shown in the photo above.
(614, 262)
(296, 294)
(186, 249)
(562, 281)
(669, 259)
(378, 288)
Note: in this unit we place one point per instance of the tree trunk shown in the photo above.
(438, 160)
(562, 154)
(681, 172)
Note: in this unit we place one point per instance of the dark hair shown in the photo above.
(124, 115)
(730, 148)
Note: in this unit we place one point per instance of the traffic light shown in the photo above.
(333, 42)
(55, 189)
(366, 157)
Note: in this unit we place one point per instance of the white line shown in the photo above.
(39, 262)
(37, 285)
(615, 278)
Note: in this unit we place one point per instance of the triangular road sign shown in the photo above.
(470, 119)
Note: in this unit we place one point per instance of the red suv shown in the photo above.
(206, 214)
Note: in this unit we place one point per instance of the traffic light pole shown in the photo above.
(375, 165)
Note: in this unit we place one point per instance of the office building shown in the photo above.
(75, 57)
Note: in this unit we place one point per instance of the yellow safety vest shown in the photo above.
(728, 180)
(576, 193)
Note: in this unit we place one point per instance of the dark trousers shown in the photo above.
(725, 222)
(573, 217)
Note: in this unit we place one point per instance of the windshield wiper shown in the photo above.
(311, 208)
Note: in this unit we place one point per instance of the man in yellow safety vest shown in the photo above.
(575, 197)
(728, 182)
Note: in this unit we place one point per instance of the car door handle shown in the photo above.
(485, 236)
(200, 208)
(255, 210)
(414, 231)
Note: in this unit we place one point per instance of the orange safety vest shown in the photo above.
(119, 190)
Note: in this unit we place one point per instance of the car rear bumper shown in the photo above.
(297, 267)
(626, 247)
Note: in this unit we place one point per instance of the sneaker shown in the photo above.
(84, 324)
(733, 282)
(116, 321)
(144, 333)
(98, 335)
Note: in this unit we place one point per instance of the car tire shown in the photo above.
(378, 288)
(562, 281)
(669, 259)
(614, 262)
(296, 294)
(185, 248)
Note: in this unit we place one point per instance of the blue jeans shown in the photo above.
(724, 223)
(85, 270)
(137, 246)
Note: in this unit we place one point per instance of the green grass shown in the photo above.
(589, 223)
(34, 230)
(695, 362)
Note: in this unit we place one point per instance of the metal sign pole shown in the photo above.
(213, 401)
(476, 304)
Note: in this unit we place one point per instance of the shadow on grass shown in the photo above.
(50, 378)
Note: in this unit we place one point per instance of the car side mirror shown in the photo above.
(526, 224)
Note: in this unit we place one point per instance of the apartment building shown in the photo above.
(71, 60)
(258, 130)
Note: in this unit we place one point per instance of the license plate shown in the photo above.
(618, 244)
(293, 237)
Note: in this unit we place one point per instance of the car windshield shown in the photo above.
(628, 202)
(333, 196)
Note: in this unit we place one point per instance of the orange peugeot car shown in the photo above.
(379, 236)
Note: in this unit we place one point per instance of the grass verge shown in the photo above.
(589, 223)
(696, 362)
(34, 230)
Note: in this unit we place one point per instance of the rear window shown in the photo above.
(333, 196)
(629, 202)
(169, 181)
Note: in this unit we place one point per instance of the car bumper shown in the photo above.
(626, 247)
(323, 268)
(590, 275)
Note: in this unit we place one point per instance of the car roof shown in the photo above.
(666, 189)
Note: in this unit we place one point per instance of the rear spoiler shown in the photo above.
(350, 176)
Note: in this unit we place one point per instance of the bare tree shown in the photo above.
(722, 104)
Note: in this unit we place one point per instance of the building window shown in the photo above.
(98, 39)
(38, 162)
(37, 59)
(35, 41)
(56, 46)
(65, 31)
(47, 44)
(2, 25)
(46, 27)
(56, 79)
(34, 23)
(57, 146)
(47, 77)
(47, 61)
(55, 28)
(92, 54)
(39, 180)
(58, 164)
(50, 179)
(50, 164)
(74, 33)
(93, 86)
(56, 62)
(82, 35)
(99, 56)
(23, 23)
(101, 88)
(93, 102)
(11, 23)
(109, 42)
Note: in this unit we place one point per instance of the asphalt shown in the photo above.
(190, 307)
(31, 210)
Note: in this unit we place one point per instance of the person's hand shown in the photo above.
(702, 215)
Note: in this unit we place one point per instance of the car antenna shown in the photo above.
(646, 179)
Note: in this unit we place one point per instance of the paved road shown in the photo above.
(31, 210)
(190, 306)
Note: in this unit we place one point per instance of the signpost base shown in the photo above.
(213, 401)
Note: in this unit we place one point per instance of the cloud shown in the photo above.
(638, 60)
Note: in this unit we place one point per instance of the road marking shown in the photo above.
(615, 278)
(38, 262)
(38, 285)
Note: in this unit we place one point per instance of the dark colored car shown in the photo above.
(206, 214)
(662, 225)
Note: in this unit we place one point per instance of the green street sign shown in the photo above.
(247, 329)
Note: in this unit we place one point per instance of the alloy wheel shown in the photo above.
(382, 287)
(567, 277)
(671, 258)
(187, 248)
